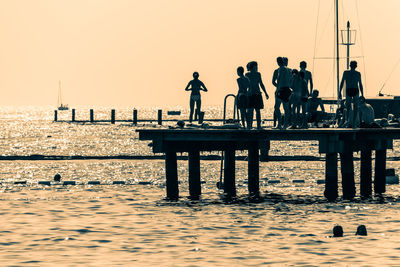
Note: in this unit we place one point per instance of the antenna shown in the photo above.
(348, 39)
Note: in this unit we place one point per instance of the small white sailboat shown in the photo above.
(60, 105)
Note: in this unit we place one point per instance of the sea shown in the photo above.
(132, 224)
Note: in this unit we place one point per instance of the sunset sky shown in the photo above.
(143, 53)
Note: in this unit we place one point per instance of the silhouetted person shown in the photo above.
(361, 230)
(195, 86)
(57, 177)
(354, 86)
(307, 76)
(241, 98)
(278, 102)
(298, 98)
(367, 114)
(283, 93)
(255, 101)
(315, 116)
(337, 231)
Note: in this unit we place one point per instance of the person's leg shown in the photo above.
(286, 109)
(250, 112)
(258, 117)
(198, 109)
(356, 119)
(243, 116)
(347, 104)
(303, 111)
(277, 110)
(191, 110)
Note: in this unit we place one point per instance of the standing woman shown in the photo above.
(195, 86)
(255, 101)
(241, 98)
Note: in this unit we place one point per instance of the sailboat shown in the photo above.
(60, 105)
(383, 105)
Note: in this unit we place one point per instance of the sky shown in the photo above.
(142, 53)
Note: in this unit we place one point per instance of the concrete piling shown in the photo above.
(253, 171)
(366, 173)
(113, 116)
(347, 170)
(171, 173)
(229, 173)
(331, 176)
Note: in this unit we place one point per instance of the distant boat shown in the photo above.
(60, 105)
(174, 112)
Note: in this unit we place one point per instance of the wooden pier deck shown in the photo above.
(332, 141)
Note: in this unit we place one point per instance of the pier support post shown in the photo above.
(113, 116)
(159, 117)
(264, 150)
(194, 175)
(55, 115)
(331, 176)
(366, 173)
(91, 115)
(253, 171)
(73, 115)
(135, 116)
(229, 173)
(347, 170)
(171, 173)
(380, 171)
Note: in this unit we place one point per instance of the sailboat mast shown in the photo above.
(337, 48)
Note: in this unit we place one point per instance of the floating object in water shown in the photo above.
(20, 182)
(69, 183)
(180, 123)
(361, 230)
(44, 183)
(57, 177)
(220, 185)
(144, 183)
(337, 231)
(321, 181)
(174, 112)
(298, 181)
(391, 177)
(274, 181)
(94, 182)
(118, 182)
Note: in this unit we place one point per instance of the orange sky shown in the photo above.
(143, 53)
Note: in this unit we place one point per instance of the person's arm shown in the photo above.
(263, 88)
(275, 78)
(187, 87)
(321, 105)
(361, 86)
(204, 87)
(311, 83)
(341, 86)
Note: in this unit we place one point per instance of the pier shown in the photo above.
(333, 142)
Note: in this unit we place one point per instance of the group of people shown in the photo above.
(295, 92)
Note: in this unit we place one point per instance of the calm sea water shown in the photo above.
(132, 224)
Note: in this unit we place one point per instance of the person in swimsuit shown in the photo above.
(283, 90)
(278, 102)
(354, 86)
(315, 116)
(307, 76)
(195, 86)
(241, 98)
(298, 99)
(255, 101)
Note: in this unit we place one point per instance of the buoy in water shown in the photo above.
(57, 177)
(20, 182)
(44, 183)
(298, 181)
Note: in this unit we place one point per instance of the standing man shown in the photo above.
(354, 86)
(277, 106)
(307, 76)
